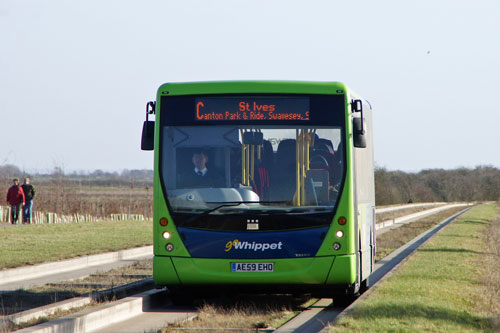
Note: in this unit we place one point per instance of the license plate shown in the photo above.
(252, 267)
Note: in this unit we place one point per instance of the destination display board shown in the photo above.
(252, 108)
(265, 109)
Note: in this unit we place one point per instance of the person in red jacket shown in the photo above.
(15, 198)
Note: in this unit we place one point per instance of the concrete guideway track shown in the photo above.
(406, 206)
(397, 222)
(116, 313)
(37, 275)
(76, 302)
(327, 314)
(318, 315)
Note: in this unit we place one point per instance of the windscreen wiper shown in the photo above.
(226, 204)
(314, 209)
(296, 211)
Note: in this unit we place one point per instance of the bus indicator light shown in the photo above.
(169, 247)
(336, 246)
(163, 222)
(342, 220)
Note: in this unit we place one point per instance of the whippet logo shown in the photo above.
(253, 246)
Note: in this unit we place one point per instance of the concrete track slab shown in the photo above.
(150, 321)
(315, 318)
(385, 226)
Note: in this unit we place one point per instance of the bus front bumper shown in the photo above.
(295, 271)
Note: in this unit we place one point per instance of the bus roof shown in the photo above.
(252, 87)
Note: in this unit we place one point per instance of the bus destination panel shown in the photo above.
(252, 108)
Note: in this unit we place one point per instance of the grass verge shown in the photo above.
(441, 288)
(38, 243)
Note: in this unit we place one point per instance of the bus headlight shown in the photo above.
(336, 246)
(166, 235)
(169, 247)
(339, 234)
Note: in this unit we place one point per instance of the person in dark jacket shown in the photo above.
(29, 194)
(200, 175)
(15, 198)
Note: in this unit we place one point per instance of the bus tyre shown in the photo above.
(345, 300)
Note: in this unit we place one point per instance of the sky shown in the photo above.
(75, 76)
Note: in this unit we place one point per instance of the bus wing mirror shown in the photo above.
(357, 105)
(148, 128)
(359, 134)
(253, 138)
(148, 135)
(358, 130)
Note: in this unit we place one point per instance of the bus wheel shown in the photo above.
(344, 300)
(351, 294)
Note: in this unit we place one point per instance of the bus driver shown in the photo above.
(200, 175)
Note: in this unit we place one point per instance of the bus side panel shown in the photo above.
(365, 196)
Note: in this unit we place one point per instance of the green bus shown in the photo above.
(261, 186)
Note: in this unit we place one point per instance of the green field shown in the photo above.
(37, 243)
(445, 286)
